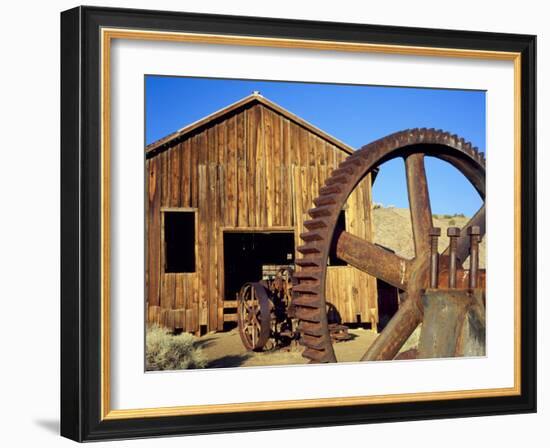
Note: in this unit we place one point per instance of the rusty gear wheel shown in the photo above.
(410, 276)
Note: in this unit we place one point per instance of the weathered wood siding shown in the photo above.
(255, 169)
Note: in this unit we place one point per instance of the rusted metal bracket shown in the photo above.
(453, 323)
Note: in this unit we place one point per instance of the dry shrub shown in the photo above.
(167, 351)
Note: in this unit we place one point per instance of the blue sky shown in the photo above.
(356, 115)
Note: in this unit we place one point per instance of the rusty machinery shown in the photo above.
(428, 283)
(265, 313)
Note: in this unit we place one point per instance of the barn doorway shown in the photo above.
(388, 302)
(246, 253)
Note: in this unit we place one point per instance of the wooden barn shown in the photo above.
(228, 195)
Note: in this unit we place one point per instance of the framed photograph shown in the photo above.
(274, 223)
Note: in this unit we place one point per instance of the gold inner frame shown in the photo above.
(107, 35)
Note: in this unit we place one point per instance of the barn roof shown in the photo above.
(160, 145)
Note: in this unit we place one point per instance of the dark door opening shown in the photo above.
(388, 303)
(246, 252)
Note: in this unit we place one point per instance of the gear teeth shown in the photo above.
(353, 161)
(316, 356)
(307, 302)
(318, 212)
(313, 224)
(306, 288)
(308, 274)
(328, 199)
(312, 342)
(343, 171)
(330, 189)
(311, 236)
(309, 314)
(309, 328)
(307, 262)
(308, 249)
(341, 179)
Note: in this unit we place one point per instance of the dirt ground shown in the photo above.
(226, 350)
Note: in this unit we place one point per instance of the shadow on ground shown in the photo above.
(228, 361)
(204, 343)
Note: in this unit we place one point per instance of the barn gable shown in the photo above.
(247, 102)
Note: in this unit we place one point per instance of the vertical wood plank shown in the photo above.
(304, 187)
(178, 290)
(313, 164)
(213, 224)
(221, 141)
(252, 135)
(167, 299)
(153, 253)
(195, 148)
(286, 177)
(192, 312)
(298, 211)
(175, 175)
(204, 257)
(186, 177)
(172, 290)
(231, 174)
(221, 280)
(242, 170)
(164, 178)
(261, 199)
(269, 187)
(306, 176)
(275, 169)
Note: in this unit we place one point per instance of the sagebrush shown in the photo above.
(167, 351)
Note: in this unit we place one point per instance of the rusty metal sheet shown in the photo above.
(452, 324)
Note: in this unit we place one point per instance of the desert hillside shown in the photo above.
(392, 229)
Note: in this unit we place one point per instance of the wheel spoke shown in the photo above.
(419, 203)
(249, 312)
(373, 260)
(463, 243)
(395, 334)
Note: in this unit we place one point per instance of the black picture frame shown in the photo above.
(81, 223)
